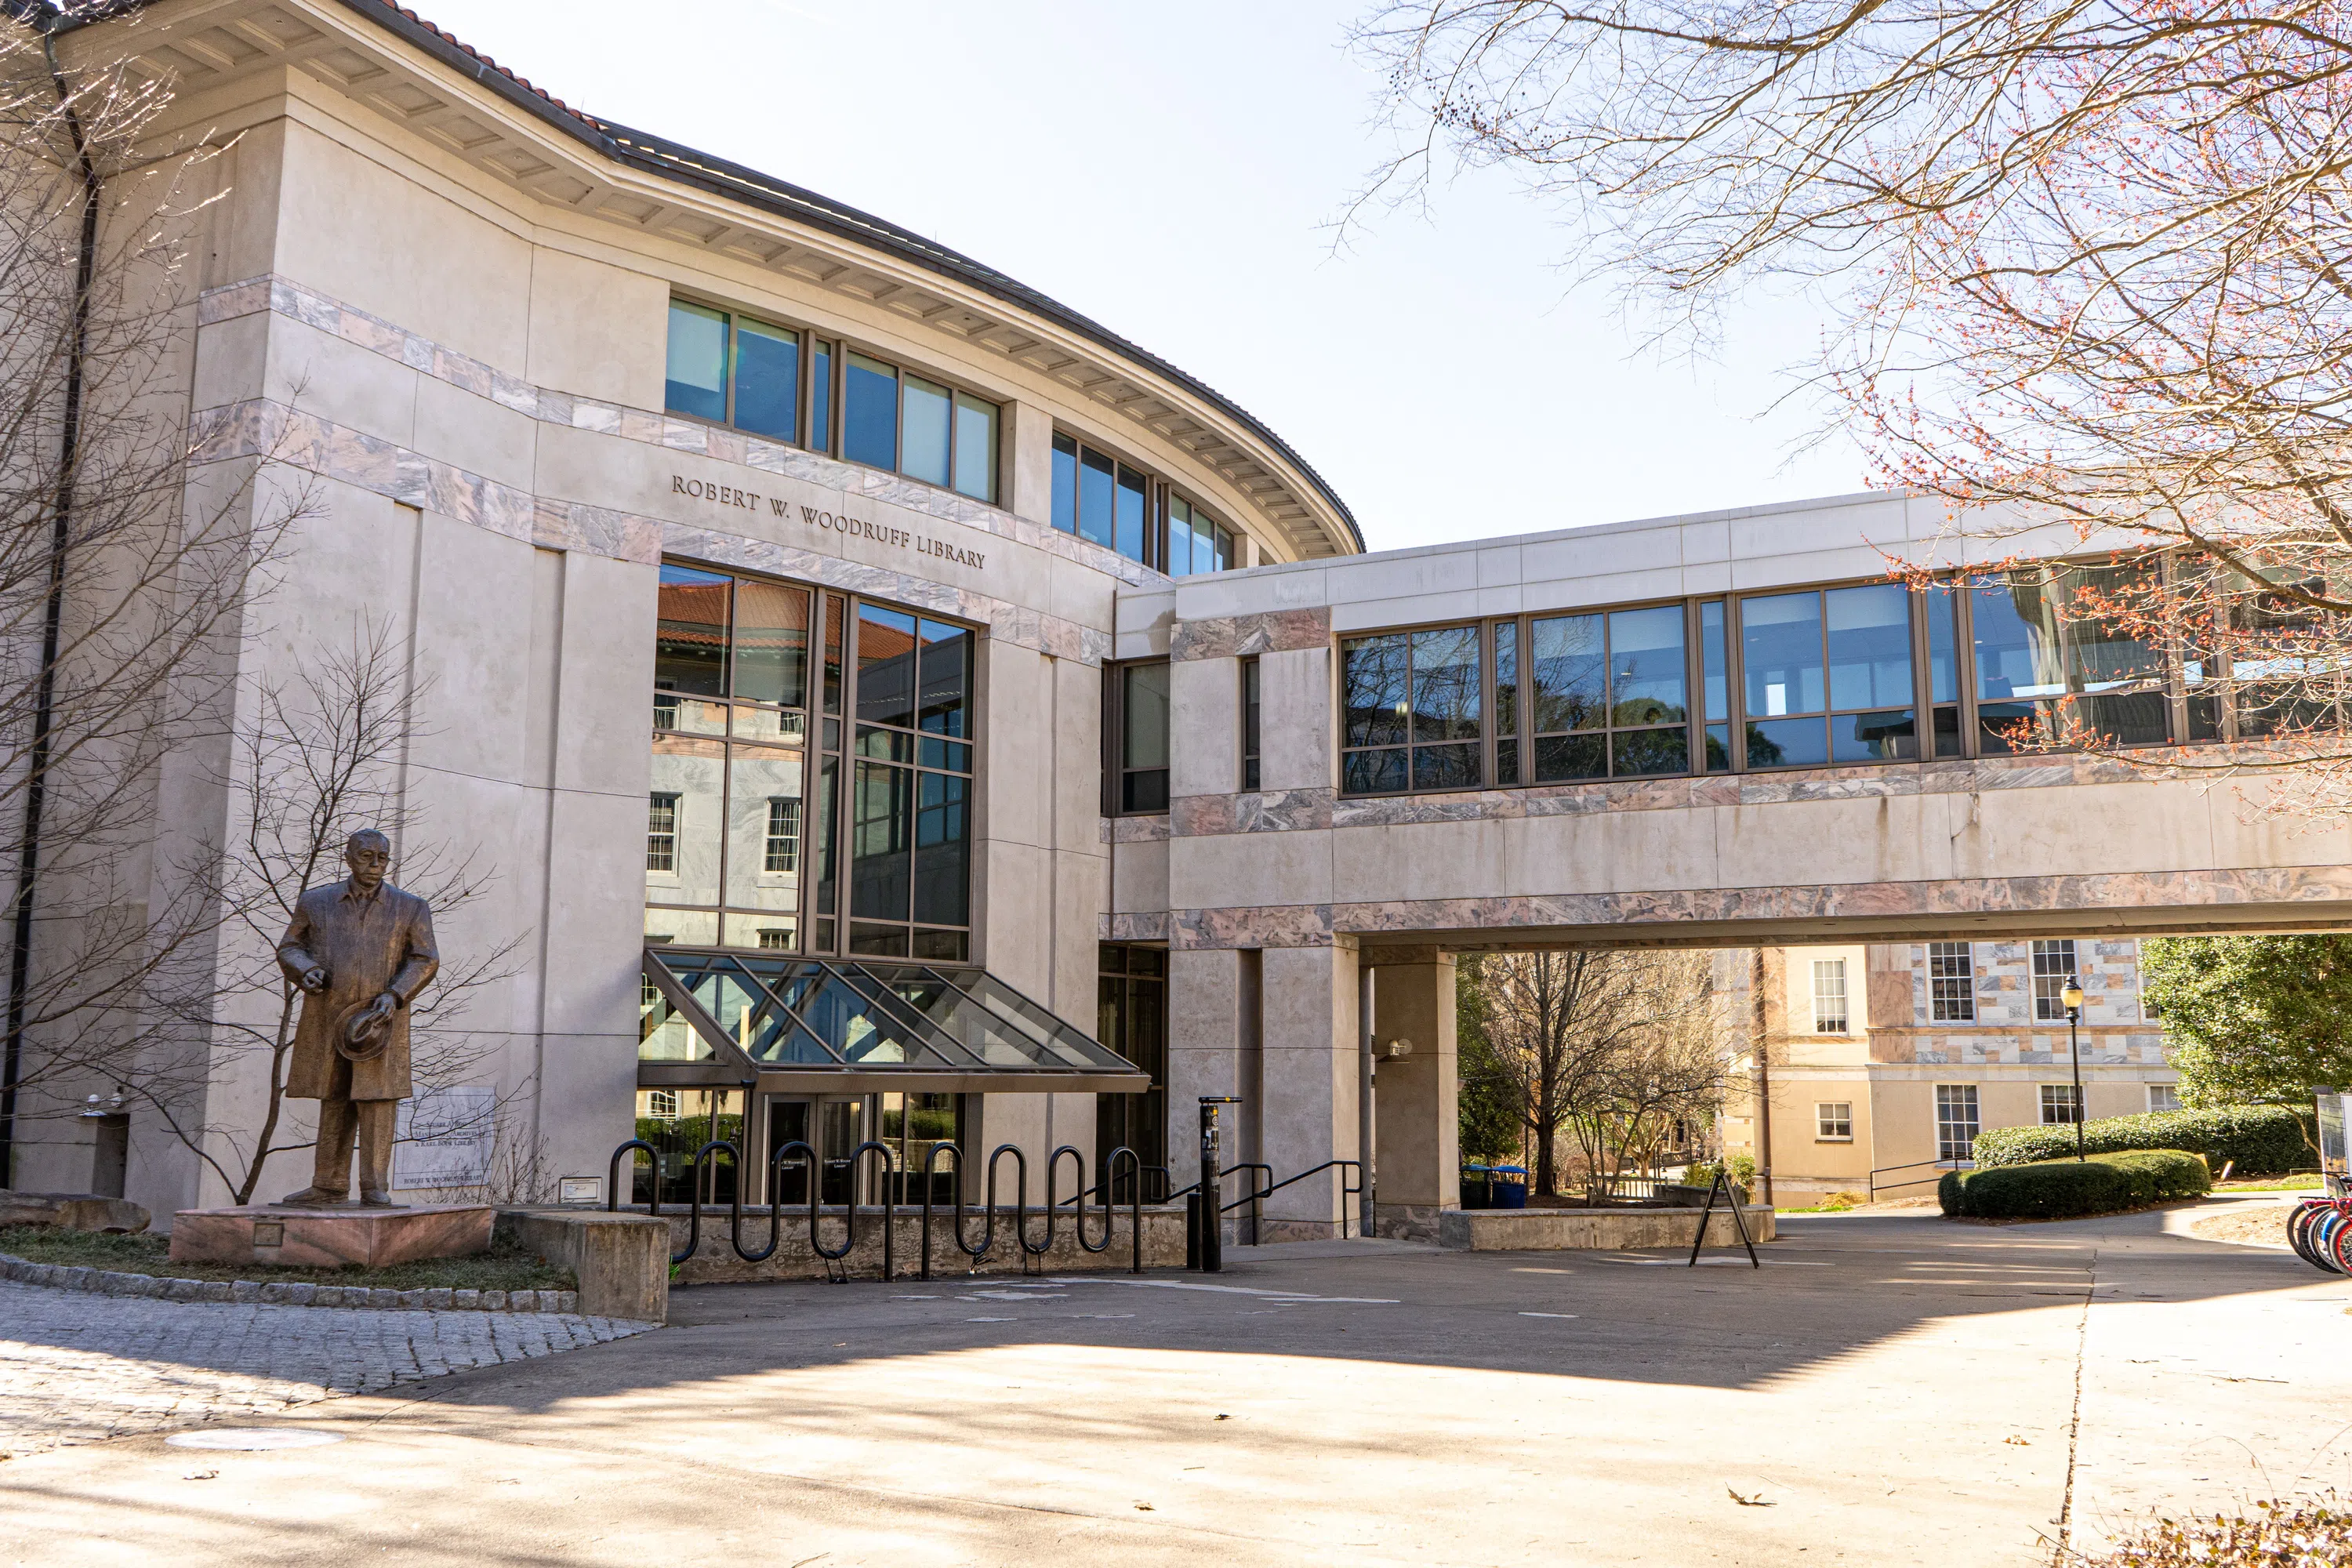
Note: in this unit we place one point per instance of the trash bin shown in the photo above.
(1477, 1187)
(1509, 1184)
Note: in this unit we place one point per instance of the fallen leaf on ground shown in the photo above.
(1756, 1501)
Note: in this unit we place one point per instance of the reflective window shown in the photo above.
(768, 379)
(975, 447)
(1140, 723)
(753, 808)
(1195, 543)
(1609, 694)
(1840, 657)
(737, 370)
(2053, 666)
(925, 430)
(1121, 508)
(697, 382)
(869, 413)
(1411, 711)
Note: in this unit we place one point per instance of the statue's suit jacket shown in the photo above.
(367, 946)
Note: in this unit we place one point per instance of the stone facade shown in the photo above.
(431, 304)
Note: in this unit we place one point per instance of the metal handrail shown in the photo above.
(1346, 1191)
(1872, 1179)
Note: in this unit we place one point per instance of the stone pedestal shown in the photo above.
(330, 1239)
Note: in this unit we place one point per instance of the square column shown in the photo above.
(1204, 1028)
(1310, 1065)
(1416, 1098)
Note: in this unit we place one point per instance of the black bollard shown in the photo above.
(1212, 1195)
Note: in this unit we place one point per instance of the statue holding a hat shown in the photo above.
(360, 950)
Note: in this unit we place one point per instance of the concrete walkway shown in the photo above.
(1886, 1390)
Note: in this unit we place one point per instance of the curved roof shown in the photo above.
(719, 177)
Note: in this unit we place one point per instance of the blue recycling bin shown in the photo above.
(1509, 1186)
(1477, 1187)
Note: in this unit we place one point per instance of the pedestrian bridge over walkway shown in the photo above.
(1724, 730)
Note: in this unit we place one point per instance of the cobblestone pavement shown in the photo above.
(77, 1368)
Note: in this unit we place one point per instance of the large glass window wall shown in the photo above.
(1846, 673)
(784, 384)
(810, 748)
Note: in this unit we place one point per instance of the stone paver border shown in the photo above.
(109, 1282)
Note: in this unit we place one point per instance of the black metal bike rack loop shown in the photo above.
(1030, 1252)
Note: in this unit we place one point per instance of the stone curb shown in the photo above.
(107, 1282)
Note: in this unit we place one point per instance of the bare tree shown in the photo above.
(129, 540)
(320, 758)
(2085, 260)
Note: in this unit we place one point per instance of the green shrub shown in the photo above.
(2263, 1139)
(2056, 1189)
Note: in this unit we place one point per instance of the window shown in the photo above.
(1955, 1121)
(759, 376)
(910, 786)
(2062, 1105)
(1409, 711)
(1804, 678)
(780, 712)
(1833, 1122)
(1132, 1018)
(2048, 661)
(661, 1104)
(1121, 508)
(2054, 965)
(1251, 707)
(1136, 725)
(1951, 983)
(1840, 657)
(661, 834)
(1195, 543)
(2164, 1097)
(783, 852)
(1829, 996)
(1606, 695)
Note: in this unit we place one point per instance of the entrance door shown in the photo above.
(843, 1122)
(834, 1125)
(788, 1122)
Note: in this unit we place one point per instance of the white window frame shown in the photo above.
(1951, 998)
(1834, 1122)
(2050, 983)
(661, 1104)
(1830, 987)
(661, 838)
(2055, 1097)
(1945, 1124)
(2170, 1092)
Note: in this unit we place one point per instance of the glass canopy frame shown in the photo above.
(849, 1025)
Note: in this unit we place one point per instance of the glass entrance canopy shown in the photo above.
(847, 1027)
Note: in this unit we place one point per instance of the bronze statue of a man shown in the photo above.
(361, 950)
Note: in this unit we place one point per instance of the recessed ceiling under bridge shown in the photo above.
(715, 1016)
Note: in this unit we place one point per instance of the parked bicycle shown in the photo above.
(2320, 1230)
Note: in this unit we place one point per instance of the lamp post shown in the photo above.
(2072, 997)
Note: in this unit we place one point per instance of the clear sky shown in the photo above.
(1173, 171)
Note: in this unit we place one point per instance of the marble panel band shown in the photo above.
(2287, 897)
(1231, 636)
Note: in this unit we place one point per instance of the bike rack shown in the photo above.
(653, 1194)
(1122, 1161)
